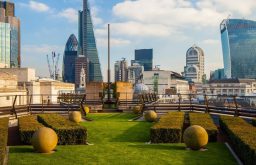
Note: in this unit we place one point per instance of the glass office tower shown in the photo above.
(145, 58)
(69, 59)
(87, 43)
(238, 38)
(5, 45)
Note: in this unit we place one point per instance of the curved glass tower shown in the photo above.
(238, 38)
(87, 43)
(69, 59)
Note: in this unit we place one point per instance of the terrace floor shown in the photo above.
(119, 141)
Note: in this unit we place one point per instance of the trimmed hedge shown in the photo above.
(27, 126)
(254, 122)
(3, 138)
(243, 137)
(168, 129)
(68, 132)
(204, 120)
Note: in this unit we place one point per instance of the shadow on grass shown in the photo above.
(137, 133)
(24, 149)
(159, 147)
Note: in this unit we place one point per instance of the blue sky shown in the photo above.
(170, 27)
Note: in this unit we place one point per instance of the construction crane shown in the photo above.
(53, 65)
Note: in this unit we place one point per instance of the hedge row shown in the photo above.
(3, 138)
(243, 137)
(27, 126)
(68, 132)
(205, 121)
(168, 129)
(254, 122)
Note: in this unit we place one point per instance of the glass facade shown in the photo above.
(145, 58)
(14, 60)
(239, 48)
(5, 45)
(87, 43)
(69, 59)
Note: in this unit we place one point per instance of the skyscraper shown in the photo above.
(121, 71)
(194, 69)
(145, 58)
(7, 15)
(135, 73)
(238, 38)
(5, 45)
(87, 43)
(69, 59)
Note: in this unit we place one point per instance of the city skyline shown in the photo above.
(138, 30)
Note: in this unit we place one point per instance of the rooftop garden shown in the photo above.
(114, 139)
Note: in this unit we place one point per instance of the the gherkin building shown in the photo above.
(69, 58)
(87, 43)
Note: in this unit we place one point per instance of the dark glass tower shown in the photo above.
(238, 38)
(87, 43)
(69, 59)
(145, 58)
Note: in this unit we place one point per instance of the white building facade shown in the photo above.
(194, 69)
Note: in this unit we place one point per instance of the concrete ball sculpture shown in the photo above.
(136, 109)
(150, 116)
(75, 116)
(44, 140)
(195, 137)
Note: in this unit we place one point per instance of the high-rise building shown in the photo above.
(7, 15)
(135, 73)
(121, 71)
(194, 69)
(69, 59)
(87, 43)
(81, 65)
(9, 8)
(145, 58)
(5, 45)
(238, 38)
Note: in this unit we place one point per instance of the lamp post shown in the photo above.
(108, 64)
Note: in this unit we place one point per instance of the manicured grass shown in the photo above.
(118, 141)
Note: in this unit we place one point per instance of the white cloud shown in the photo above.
(114, 42)
(211, 41)
(38, 6)
(94, 12)
(43, 49)
(70, 14)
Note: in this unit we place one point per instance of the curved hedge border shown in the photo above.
(168, 129)
(243, 137)
(3, 138)
(27, 126)
(205, 121)
(68, 132)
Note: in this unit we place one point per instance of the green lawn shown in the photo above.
(118, 141)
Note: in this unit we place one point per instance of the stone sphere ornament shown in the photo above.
(195, 137)
(75, 116)
(44, 140)
(136, 109)
(150, 116)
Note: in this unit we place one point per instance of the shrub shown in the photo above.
(3, 138)
(242, 136)
(137, 109)
(27, 126)
(205, 121)
(254, 122)
(168, 129)
(68, 132)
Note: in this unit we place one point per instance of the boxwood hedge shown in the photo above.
(168, 129)
(3, 138)
(27, 126)
(68, 132)
(204, 120)
(242, 136)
